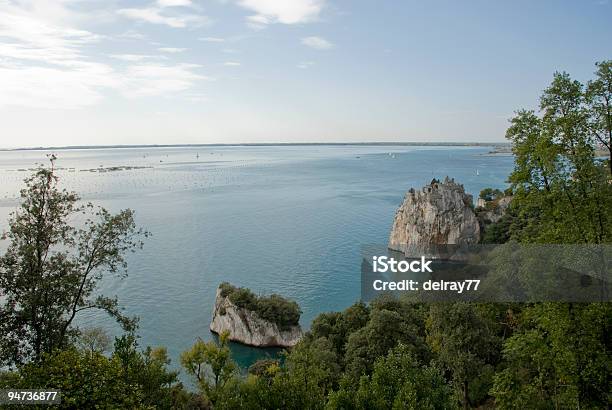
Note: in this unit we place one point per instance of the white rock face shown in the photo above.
(245, 326)
(438, 214)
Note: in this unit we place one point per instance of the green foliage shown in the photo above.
(558, 358)
(264, 367)
(211, 365)
(490, 194)
(397, 382)
(313, 368)
(88, 379)
(337, 326)
(51, 269)
(598, 98)
(149, 371)
(499, 232)
(94, 339)
(274, 308)
(562, 194)
(464, 341)
(391, 322)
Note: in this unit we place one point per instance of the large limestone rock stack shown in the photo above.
(439, 214)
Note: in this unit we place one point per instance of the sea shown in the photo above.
(287, 219)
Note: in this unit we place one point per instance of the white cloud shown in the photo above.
(146, 80)
(305, 64)
(41, 59)
(43, 63)
(133, 57)
(231, 63)
(318, 43)
(171, 50)
(134, 35)
(158, 15)
(173, 3)
(212, 39)
(43, 87)
(31, 37)
(282, 11)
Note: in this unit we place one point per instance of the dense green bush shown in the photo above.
(128, 378)
(274, 308)
(490, 194)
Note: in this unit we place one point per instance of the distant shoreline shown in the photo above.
(263, 144)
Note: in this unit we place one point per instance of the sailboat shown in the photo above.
(477, 173)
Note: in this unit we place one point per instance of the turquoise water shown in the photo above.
(284, 219)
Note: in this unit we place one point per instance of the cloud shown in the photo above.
(318, 43)
(146, 80)
(212, 39)
(159, 15)
(172, 50)
(43, 63)
(305, 64)
(47, 87)
(231, 63)
(41, 59)
(173, 3)
(27, 36)
(282, 11)
(133, 57)
(134, 35)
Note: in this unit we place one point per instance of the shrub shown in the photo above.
(274, 308)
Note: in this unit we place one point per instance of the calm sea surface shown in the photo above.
(283, 219)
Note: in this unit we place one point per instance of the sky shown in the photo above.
(107, 72)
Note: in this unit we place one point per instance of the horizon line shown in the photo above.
(127, 146)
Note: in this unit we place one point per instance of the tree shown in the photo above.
(599, 99)
(51, 268)
(148, 370)
(489, 194)
(86, 380)
(557, 358)
(464, 341)
(397, 382)
(94, 340)
(562, 194)
(558, 355)
(210, 362)
(391, 322)
(337, 326)
(312, 370)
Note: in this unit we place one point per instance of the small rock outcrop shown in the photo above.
(245, 322)
(439, 214)
(492, 211)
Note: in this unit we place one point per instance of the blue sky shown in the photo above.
(77, 72)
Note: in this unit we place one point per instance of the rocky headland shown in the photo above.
(260, 321)
(439, 214)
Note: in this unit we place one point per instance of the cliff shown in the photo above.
(249, 322)
(439, 214)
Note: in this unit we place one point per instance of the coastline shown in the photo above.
(495, 145)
